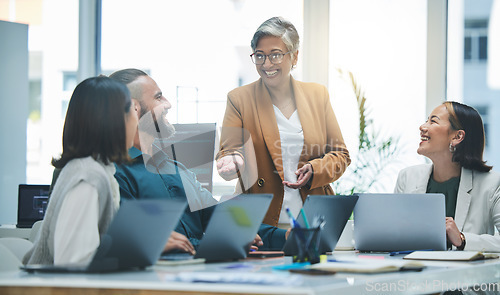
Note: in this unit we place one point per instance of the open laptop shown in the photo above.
(31, 204)
(232, 227)
(336, 210)
(134, 239)
(400, 222)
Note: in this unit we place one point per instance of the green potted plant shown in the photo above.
(375, 154)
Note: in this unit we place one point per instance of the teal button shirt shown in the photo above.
(140, 182)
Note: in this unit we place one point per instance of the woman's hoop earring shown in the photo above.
(452, 148)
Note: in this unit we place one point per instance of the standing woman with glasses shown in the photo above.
(99, 128)
(453, 139)
(297, 141)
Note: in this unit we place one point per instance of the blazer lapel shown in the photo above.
(268, 125)
(463, 198)
(422, 181)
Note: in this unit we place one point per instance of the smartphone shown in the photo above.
(265, 254)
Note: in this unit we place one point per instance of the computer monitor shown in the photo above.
(32, 203)
(193, 146)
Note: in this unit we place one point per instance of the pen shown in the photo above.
(293, 222)
(295, 226)
(341, 261)
(304, 217)
(407, 252)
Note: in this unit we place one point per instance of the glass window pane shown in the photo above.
(477, 24)
(483, 47)
(185, 47)
(195, 57)
(467, 48)
(383, 44)
(53, 51)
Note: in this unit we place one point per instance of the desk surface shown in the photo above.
(437, 277)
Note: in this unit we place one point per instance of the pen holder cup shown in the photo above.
(307, 242)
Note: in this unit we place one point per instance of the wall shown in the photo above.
(13, 121)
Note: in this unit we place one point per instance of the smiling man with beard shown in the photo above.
(141, 179)
(152, 174)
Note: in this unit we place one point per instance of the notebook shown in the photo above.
(400, 222)
(134, 239)
(336, 209)
(31, 204)
(233, 226)
(358, 265)
(450, 255)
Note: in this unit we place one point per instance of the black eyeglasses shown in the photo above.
(274, 58)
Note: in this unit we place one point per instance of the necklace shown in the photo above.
(284, 107)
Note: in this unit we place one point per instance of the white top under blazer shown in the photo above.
(292, 142)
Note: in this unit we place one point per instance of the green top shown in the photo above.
(450, 190)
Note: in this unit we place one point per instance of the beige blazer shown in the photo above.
(250, 108)
(478, 203)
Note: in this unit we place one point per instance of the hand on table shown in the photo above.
(178, 241)
(452, 232)
(256, 243)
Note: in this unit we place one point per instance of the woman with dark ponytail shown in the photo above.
(453, 139)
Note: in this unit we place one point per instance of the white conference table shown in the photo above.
(437, 277)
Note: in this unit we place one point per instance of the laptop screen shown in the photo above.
(400, 222)
(335, 209)
(32, 203)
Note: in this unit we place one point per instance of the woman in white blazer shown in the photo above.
(453, 139)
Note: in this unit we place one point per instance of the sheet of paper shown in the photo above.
(284, 278)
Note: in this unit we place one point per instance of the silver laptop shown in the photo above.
(233, 226)
(400, 222)
(134, 239)
(335, 209)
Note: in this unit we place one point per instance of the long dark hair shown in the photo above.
(469, 152)
(95, 122)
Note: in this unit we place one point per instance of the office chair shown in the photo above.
(9, 261)
(17, 246)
